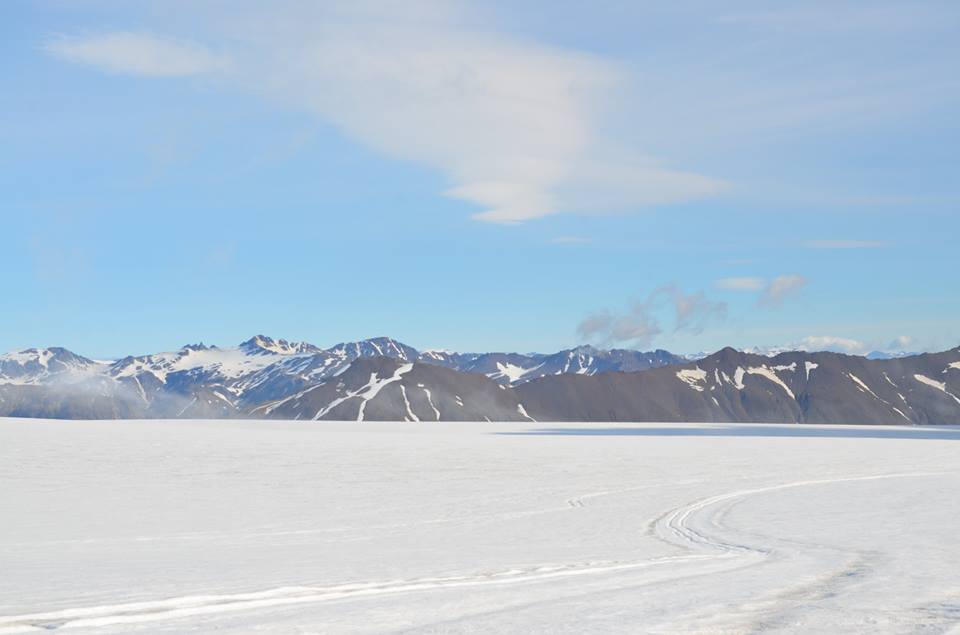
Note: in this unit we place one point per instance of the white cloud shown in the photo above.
(741, 284)
(779, 288)
(844, 244)
(846, 345)
(512, 124)
(900, 343)
(831, 343)
(137, 54)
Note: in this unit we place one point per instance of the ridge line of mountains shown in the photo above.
(381, 379)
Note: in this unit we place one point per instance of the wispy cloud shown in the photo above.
(740, 78)
(137, 54)
(640, 325)
(779, 288)
(844, 244)
(693, 311)
(740, 284)
(637, 326)
(513, 124)
(835, 17)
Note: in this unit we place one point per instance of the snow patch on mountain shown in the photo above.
(693, 378)
(763, 371)
(365, 393)
(862, 385)
(523, 412)
(933, 383)
(426, 391)
(406, 402)
(738, 378)
(221, 363)
(511, 372)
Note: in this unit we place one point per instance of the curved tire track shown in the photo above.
(684, 526)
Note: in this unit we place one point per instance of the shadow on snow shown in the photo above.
(951, 433)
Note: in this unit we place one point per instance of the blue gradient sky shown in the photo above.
(478, 176)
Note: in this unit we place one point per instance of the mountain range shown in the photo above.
(382, 379)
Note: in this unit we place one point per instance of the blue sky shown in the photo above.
(478, 176)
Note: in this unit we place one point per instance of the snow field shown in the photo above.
(173, 527)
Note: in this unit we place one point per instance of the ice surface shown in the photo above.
(286, 527)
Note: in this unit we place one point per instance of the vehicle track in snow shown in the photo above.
(209, 604)
(692, 527)
(695, 527)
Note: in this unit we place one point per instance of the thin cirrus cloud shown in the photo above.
(740, 284)
(512, 124)
(640, 325)
(844, 244)
(138, 54)
(772, 292)
(781, 287)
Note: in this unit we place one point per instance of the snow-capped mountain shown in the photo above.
(263, 345)
(381, 378)
(201, 380)
(38, 366)
(889, 354)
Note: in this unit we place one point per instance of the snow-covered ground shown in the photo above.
(283, 527)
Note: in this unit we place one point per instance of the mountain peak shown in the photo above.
(43, 355)
(265, 345)
(200, 346)
(729, 355)
(585, 349)
(36, 365)
(376, 346)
